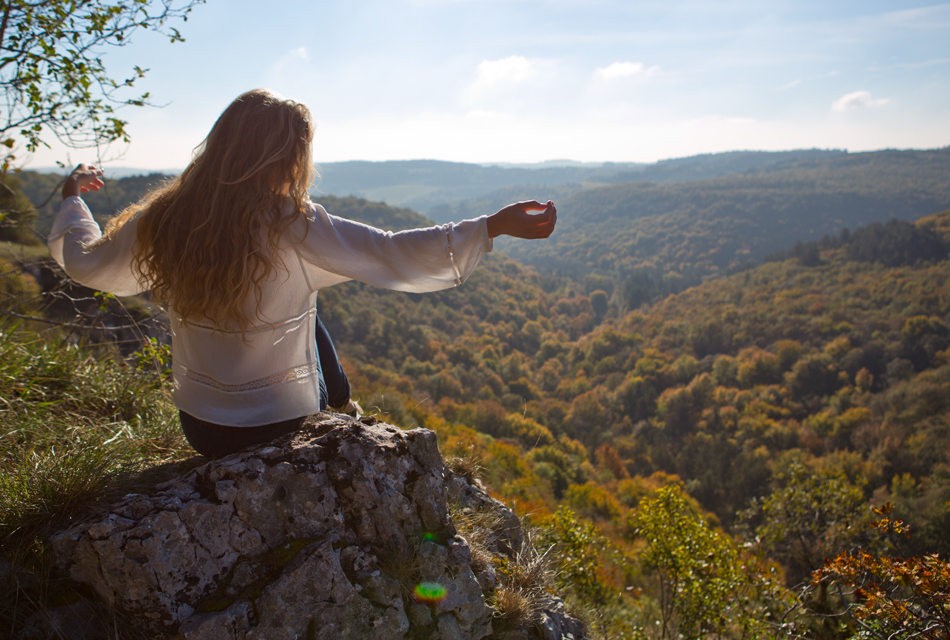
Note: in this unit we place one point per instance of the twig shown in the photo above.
(68, 325)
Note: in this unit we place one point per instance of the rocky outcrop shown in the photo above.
(341, 530)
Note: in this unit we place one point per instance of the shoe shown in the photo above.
(352, 409)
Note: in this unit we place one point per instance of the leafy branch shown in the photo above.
(52, 77)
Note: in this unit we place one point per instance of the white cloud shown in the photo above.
(292, 56)
(857, 100)
(510, 70)
(620, 70)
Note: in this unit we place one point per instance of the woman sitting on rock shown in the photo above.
(236, 251)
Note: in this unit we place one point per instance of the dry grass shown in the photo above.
(468, 466)
(530, 570)
(479, 528)
(75, 430)
(515, 609)
(528, 577)
(399, 560)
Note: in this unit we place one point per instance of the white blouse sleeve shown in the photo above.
(106, 267)
(336, 249)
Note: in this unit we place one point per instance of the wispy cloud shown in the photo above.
(911, 65)
(789, 85)
(621, 70)
(291, 57)
(506, 71)
(857, 100)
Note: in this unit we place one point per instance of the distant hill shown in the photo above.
(424, 184)
(716, 165)
(706, 228)
(436, 188)
(666, 231)
(120, 193)
(429, 186)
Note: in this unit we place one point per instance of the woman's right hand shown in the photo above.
(83, 178)
(514, 220)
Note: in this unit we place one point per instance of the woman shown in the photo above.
(237, 252)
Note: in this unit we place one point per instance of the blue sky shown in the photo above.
(534, 80)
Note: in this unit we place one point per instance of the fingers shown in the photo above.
(546, 226)
(93, 184)
(84, 178)
(531, 205)
(543, 224)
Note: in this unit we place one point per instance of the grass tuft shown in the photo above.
(46, 486)
(515, 609)
(519, 601)
(479, 528)
(400, 560)
(468, 466)
(530, 570)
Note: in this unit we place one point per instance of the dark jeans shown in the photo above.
(216, 440)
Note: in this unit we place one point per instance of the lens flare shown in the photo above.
(428, 537)
(429, 592)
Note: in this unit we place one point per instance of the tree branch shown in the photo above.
(6, 20)
(68, 325)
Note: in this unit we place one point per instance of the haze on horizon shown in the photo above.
(526, 81)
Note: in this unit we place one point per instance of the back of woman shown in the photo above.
(237, 252)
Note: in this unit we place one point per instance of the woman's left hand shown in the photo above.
(83, 178)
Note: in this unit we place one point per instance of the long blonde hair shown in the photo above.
(198, 235)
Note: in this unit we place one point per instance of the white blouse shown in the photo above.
(273, 376)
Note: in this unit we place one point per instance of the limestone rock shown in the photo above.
(325, 533)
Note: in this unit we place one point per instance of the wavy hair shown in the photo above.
(199, 236)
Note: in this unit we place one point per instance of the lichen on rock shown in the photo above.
(325, 533)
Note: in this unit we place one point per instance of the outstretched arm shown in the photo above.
(514, 220)
(417, 260)
(106, 266)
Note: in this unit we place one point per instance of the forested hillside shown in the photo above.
(752, 366)
(737, 391)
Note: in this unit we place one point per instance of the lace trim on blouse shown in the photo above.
(458, 274)
(261, 327)
(289, 375)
